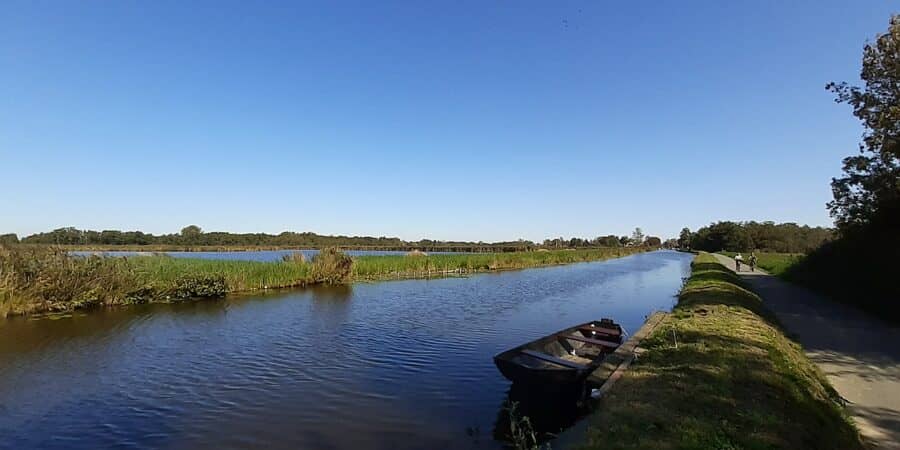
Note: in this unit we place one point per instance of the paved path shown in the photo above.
(859, 353)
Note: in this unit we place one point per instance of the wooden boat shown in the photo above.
(564, 358)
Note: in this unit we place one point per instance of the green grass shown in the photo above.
(239, 275)
(389, 267)
(734, 381)
(35, 279)
(774, 263)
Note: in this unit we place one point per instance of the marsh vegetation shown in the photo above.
(37, 279)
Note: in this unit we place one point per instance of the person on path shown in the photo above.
(752, 262)
(737, 262)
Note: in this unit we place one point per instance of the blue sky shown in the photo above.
(458, 120)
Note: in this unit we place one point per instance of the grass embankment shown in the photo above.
(732, 381)
(39, 279)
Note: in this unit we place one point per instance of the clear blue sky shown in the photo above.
(457, 120)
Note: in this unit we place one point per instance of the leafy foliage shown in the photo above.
(637, 236)
(684, 238)
(765, 236)
(653, 241)
(34, 279)
(858, 269)
(331, 266)
(200, 285)
(869, 191)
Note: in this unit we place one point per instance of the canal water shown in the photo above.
(389, 365)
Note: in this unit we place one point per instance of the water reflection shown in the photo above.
(547, 413)
(401, 364)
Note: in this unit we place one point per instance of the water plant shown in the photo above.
(41, 278)
(331, 266)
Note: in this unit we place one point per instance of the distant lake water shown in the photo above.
(261, 255)
(389, 365)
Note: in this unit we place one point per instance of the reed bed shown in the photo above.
(412, 266)
(238, 275)
(41, 279)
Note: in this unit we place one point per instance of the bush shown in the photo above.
(331, 266)
(199, 285)
(36, 278)
(858, 269)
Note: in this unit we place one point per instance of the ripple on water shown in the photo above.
(404, 364)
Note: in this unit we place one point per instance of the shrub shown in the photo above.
(331, 266)
(37, 278)
(199, 285)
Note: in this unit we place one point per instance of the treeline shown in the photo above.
(194, 236)
(762, 236)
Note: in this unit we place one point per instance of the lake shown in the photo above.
(389, 365)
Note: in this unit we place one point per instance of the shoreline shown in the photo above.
(163, 279)
(719, 372)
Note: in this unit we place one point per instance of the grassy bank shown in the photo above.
(35, 279)
(719, 374)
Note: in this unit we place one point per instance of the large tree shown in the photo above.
(637, 236)
(684, 239)
(869, 191)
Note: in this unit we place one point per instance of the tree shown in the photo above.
(730, 236)
(869, 191)
(653, 241)
(10, 238)
(637, 236)
(191, 230)
(606, 241)
(684, 239)
(624, 240)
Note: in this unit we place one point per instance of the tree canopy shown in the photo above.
(764, 236)
(193, 235)
(869, 191)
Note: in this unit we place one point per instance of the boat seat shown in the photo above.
(553, 359)
(600, 330)
(597, 342)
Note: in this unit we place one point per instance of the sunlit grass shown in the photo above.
(39, 279)
(386, 267)
(774, 263)
(239, 275)
(732, 381)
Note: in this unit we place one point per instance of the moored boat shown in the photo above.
(561, 359)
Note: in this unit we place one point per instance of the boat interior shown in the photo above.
(577, 348)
